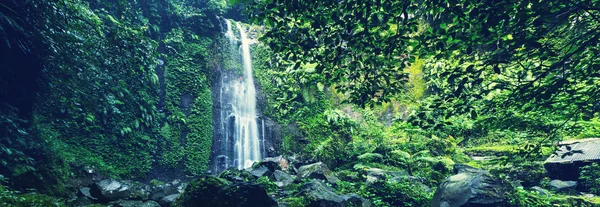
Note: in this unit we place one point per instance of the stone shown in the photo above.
(213, 191)
(125, 203)
(81, 201)
(133, 203)
(319, 194)
(370, 157)
(282, 179)
(150, 204)
(317, 171)
(356, 200)
(376, 174)
(169, 200)
(540, 190)
(275, 163)
(560, 186)
(246, 194)
(260, 171)
(85, 192)
(110, 190)
(158, 192)
(471, 188)
(235, 175)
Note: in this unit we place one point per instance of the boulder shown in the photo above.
(282, 178)
(125, 203)
(246, 194)
(85, 192)
(540, 190)
(169, 200)
(376, 174)
(370, 157)
(275, 163)
(320, 195)
(212, 191)
(560, 186)
(133, 203)
(81, 201)
(110, 190)
(260, 171)
(471, 188)
(317, 171)
(356, 200)
(235, 175)
(150, 204)
(161, 191)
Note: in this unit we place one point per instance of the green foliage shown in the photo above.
(590, 178)
(200, 136)
(402, 193)
(525, 198)
(267, 184)
(295, 201)
(10, 198)
(438, 146)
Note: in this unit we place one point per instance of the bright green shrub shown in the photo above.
(590, 178)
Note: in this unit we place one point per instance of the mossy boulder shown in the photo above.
(317, 171)
(213, 191)
(235, 175)
(370, 157)
(471, 188)
(318, 194)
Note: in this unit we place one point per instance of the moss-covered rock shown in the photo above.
(212, 191)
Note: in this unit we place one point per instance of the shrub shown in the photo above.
(590, 178)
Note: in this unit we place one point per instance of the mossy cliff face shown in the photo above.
(124, 88)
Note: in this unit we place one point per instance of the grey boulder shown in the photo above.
(471, 188)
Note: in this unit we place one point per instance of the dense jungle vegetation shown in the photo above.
(394, 97)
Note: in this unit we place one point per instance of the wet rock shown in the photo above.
(139, 191)
(133, 203)
(540, 190)
(282, 178)
(319, 194)
(471, 188)
(415, 181)
(85, 192)
(560, 186)
(110, 190)
(169, 200)
(260, 171)
(150, 204)
(235, 175)
(376, 174)
(462, 168)
(370, 157)
(356, 200)
(212, 191)
(317, 171)
(275, 163)
(246, 194)
(160, 191)
(81, 201)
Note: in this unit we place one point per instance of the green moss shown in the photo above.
(10, 198)
(187, 81)
(199, 139)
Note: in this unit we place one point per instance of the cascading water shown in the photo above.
(239, 143)
(247, 144)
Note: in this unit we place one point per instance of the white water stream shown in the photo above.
(247, 145)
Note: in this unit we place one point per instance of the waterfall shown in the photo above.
(247, 144)
(239, 142)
